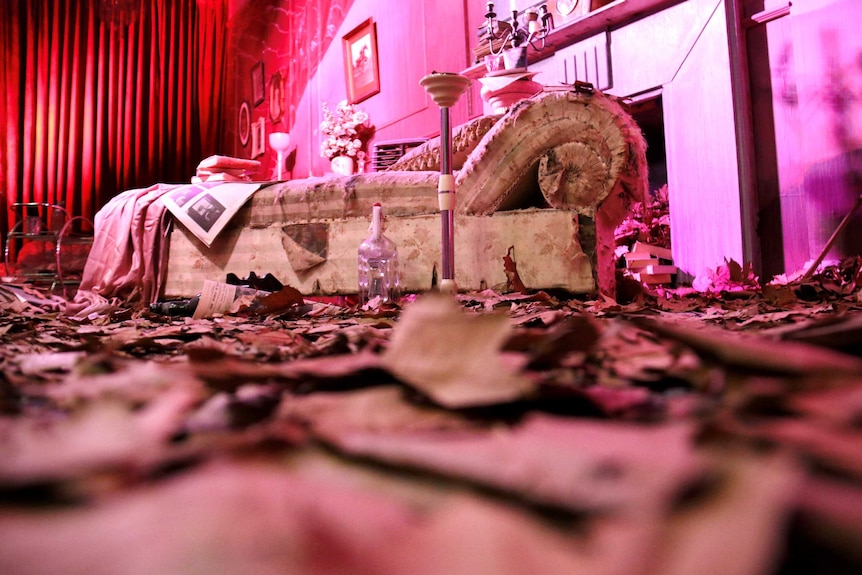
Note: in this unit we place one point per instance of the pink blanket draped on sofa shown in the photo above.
(129, 250)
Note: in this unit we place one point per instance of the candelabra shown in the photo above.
(538, 25)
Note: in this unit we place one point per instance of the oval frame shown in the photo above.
(566, 7)
(244, 123)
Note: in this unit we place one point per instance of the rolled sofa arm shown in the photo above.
(587, 139)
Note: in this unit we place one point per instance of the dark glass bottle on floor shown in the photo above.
(184, 307)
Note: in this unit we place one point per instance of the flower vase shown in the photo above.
(342, 165)
(515, 58)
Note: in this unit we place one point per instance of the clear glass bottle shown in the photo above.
(378, 263)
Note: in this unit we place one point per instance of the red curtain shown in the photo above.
(94, 105)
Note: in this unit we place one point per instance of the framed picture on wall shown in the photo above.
(276, 97)
(258, 86)
(258, 137)
(361, 67)
(244, 123)
(565, 10)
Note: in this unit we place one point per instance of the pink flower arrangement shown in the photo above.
(346, 131)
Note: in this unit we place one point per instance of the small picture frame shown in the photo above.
(244, 123)
(276, 97)
(258, 85)
(361, 66)
(258, 137)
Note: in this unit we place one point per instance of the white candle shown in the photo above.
(513, 5)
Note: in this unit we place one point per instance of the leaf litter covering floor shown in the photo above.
(717, 432)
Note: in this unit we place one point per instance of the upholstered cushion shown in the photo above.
(573, 175)
(465, 137)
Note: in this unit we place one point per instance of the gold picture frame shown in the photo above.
(258, 85)
(361, 65)
(567, 10)
(258, 137)
(276, 97)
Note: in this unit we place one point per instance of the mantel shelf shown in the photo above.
(616, 14)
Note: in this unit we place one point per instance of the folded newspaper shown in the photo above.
(205, 209)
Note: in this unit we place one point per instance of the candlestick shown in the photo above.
(532, 18)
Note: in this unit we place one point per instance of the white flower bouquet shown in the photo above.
(345, 131)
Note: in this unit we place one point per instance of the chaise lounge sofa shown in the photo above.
(545, 183)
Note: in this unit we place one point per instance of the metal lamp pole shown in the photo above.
(445, 89)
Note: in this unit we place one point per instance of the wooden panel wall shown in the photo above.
(703, 175)
(780, 165)
(828, 56)
(806, 70)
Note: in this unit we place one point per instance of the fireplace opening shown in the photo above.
(644, 237)
(649, 116)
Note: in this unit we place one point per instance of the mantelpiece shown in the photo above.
(615, 14)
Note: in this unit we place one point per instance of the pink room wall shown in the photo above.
(303, 41)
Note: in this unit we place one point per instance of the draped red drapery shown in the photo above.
(92, 106)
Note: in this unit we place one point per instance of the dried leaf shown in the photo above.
(831, 515)
(102, 438)
(510, 268)
(375, 410)
(39, 363)
(575, 465)
(744, 351)
(451, 357)
(280, 301)
(746, 511)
